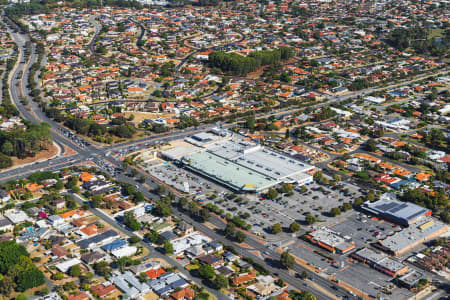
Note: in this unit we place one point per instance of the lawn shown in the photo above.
(191, 267)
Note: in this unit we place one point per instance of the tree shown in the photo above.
(310, 219)
(335, 211)
(131, 222)
(168, 248)
(422, 282)
(239, 236)
(358, 201)
(59, 185)
(276, 228)
(206, 271)
(10, 253)
(230, 230)
(7, 148)
(303, 295)
(21, 297)
(75, 271)
(97, 200)
(294, 227)
(318, 176)
(371, 145)
(58, 276)
(286, 188)
(142, 277)
(182, 202)
(346, 206)
(272, 193)
(337, 177)
(287, 260)
(86, 278)
(102, 268)
(138, 197)
(304, 275)
(42, 292)
(204, 214)
(287, 134)
(163, 208)
(134, 239)
(161, 190)
(220, 282)
(7, 285)
(202, 296)
(370, 196)
(193, 208)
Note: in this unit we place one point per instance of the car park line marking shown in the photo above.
(287, 244)
(304, 246)
(345, 268)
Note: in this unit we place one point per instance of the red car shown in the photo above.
(262, 198)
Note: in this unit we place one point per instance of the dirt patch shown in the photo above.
(44, 154)
(141, 116)
(69, 152)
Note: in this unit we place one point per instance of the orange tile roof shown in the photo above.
(101, 291)
(85, 176)
(347, 140)
(386, 165)
(71, 213)
(152, 274)
(401, 171)
(135, 90)
(398, 143)
(243, 278)
(283, 296)
(185, 294)
(80, 296)
(33, 187)
(89, 230)
(416, 136)
(366, 156)
(423, 176)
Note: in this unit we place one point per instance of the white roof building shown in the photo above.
(18, 216)
(124, 251)
(66, 265)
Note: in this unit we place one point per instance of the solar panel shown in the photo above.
(398, 208)
(413, 216)
(386, 206)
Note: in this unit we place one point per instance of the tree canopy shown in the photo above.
(235, 64)
(17, 268)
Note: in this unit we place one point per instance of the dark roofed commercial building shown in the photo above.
(402, 213)
(410, 279)
(380, 262)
